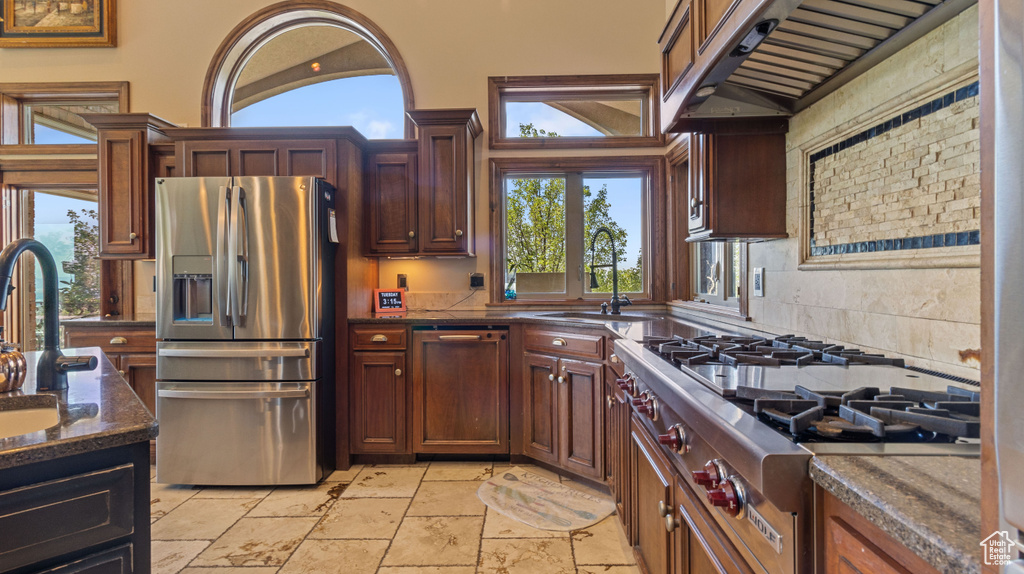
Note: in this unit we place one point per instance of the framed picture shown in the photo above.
(389, 300)
(58, 23)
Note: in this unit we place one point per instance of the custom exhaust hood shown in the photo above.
(797, 52)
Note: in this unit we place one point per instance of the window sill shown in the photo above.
(712, 309)
(564, 303)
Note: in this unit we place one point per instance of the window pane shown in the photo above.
(709, 267)
(574, 118)
(535, 234)
(615, 203)
(734, 268)
(60, 123)
(68, 228)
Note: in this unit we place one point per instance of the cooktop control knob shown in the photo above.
(675, 439)
(640, 400)
(627, 384)
(728, 496)
(649, 406)
(709, 477)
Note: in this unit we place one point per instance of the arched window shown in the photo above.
(309, 63)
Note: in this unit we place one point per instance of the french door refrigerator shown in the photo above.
(245, 330)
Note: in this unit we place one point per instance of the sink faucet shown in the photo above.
(616, 301)
(52, 369)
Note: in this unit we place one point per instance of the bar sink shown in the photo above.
(23, 414)
(595, 316)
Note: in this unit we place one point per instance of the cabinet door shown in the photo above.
(849, 552)
(203, 158)
(652, 490)
(391, 203)
(124, 196)
(700, 182)
(540, 407)
(460, 391)
(377, 402)
(580, 409)
(616, 447)
(140, 372)
(699, 546)
(444, 190)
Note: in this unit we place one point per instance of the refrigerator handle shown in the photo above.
(223, 271)
(235, 260)
(282, 394)
(242, 281)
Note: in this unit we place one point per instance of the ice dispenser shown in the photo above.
(193, 287)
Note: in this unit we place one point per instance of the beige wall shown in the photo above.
(927, 315)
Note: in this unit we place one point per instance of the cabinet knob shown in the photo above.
(458, 233)
(398, 372)
(119, 341)
(412, 234)
(694, 203)
(551, 377)
(132, 236)
(663, 509)
(379, 339)
(614, 358)
(121, 373)
(611, 401)
(561, 379)
(558, 342)
(671, 523)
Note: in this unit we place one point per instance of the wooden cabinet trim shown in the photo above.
(708, 30)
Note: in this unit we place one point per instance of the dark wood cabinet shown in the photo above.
(737, 186)
(224, 158)
(616, 445)
(540, 407)
(581, 444)
(139, 369)
(377, 405)
(652, 499)
(391, 194)
(460, 391)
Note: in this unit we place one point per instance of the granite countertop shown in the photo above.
(931, 504)
(137, 320)
(97, 411)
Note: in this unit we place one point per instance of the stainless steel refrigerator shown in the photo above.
(245, 330)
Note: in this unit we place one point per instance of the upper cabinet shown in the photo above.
(391, 197)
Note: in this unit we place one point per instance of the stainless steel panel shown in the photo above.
(263, 434)
(237, 361)
(189, 224)
(275, 257)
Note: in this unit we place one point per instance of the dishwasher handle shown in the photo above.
(220, 395)
(460, 337)
(233, 353)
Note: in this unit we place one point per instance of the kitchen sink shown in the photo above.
(23, 414)
(596, 316)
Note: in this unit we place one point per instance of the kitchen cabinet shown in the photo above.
(564, 400)
(699, 544)
(258, 157)
(737, 186)
(378, 391)
(853, 545)
(652, 501)
(616, 440)
(131, 348)
(391, 193)
(460, 391)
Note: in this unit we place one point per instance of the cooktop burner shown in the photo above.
(780, 351)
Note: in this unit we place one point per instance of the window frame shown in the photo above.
(652, 169)
(16, 97)
(539, 88)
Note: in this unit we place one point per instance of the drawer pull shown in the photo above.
(558, 342)
(379, 339)
(614, 358)
(398, 372)
(459, 337)
(119, 341)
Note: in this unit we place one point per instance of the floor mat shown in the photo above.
(541, 502)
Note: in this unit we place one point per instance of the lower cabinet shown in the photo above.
(460, 391)
(616, 446)
(377, 402)
(652, 491)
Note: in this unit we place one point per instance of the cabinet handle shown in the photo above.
(398, 372)
(558, 342)
(412, 234)
(663, 509)
(458, 233)
(379, 339)
(121, 373)
(611, 401)
(119, 341)
(459, 337)
(132, 236)
(551, 377)
(561, 379)
(694, 203)
(671, 523)
(614, 358)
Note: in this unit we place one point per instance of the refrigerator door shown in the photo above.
(192, 217)
(275, 257)
(238, 361)
(246, 433)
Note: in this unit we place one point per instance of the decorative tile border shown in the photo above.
(921, 242)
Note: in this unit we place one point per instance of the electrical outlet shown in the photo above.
(759, 281)
(403, 281)
(476, 280)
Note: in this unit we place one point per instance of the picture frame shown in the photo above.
(389, 301)
(58, 23)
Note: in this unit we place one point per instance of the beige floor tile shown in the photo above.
(385, 482)
(233, 492)
(604, 570)
(344, 475)
(257, 542)
(231, 570)
(459, 471)
(362, 518)
(602, 543)
(299, 500)
(498, 525)
(527, 556)
(170, 556)
(436, 541)
(427, 570)
(335, 556)
(201, 519)
(164, 498)
(448, 498)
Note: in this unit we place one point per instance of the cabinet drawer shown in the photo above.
(114, 561)
(378, 338)
(560, 343)
(112, 340)
(47, 519)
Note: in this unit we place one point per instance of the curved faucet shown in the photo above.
(615, 302)
(53, 366)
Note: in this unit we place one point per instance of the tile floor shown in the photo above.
(385, 519)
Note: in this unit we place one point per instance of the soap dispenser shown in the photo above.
(13, 366)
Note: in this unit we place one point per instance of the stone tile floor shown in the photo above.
(384, 519)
